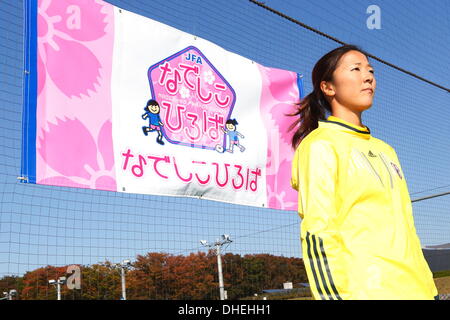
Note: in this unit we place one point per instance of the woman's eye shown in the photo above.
(372, 71)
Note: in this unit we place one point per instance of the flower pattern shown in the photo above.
(184, 93)
(69, 149)
(280, 194)
(276, 103)
(209, 77)
(64, 30)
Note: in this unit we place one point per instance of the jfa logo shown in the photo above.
(190, 103)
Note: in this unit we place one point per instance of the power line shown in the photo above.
(440, 187)
(267, 230)
(262, 5)
(432, 196)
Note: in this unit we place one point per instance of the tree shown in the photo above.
(162, 276)
(101, 282)
(165, 276)
(8, 283)
(36, 286)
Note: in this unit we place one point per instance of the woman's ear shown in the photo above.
(327, 88)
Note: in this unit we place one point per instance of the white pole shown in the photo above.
(58, 289)
(124, 293)
(219, 265)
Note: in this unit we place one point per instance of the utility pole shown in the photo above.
(124, 265)
(58, 283)
(218, 244)
(9, 295)
(219, 267)
(124, 290)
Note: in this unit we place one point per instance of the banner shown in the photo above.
(117, 101)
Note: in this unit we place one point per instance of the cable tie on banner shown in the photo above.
(26, 71)
(22, 178)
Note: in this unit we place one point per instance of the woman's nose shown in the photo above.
(369, 77)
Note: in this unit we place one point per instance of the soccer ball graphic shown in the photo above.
(219, 148)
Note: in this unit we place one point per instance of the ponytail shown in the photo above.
(310, 110)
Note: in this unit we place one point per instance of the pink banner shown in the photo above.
(95, 121)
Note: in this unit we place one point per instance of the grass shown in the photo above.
(441, 279)
(443, 285)
(440, 274)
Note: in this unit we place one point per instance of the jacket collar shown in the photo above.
(342, 125)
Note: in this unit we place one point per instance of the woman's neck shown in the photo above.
(353, 117)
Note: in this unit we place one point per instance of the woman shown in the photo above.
(357, 231)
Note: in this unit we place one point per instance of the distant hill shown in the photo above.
(437, 256)
(439, 246)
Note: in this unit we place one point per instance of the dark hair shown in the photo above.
(151, 102)
(231, 121)
(313, 107)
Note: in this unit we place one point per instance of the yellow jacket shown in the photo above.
(357, 230)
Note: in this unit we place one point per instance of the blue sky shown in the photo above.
(48, 225)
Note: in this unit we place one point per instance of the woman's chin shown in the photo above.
(365, 105)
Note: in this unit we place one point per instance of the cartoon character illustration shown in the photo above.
(233, 135)
(152, 113)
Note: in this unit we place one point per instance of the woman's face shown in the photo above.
(353, 85)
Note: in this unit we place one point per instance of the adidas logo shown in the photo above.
(371, 154)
